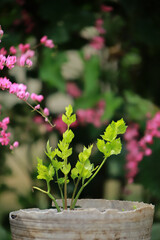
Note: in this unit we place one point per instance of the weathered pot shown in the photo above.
(98, 219)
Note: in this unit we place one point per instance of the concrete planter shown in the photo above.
(97, 219)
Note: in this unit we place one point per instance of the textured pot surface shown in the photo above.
(99, 219)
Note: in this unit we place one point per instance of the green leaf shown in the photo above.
(103, 147)
(121, 126)
(44, 172)
(68, 118)
(74, 173)
(116, 146)
(61, 180)
(110, 133)
(68, 136)
(83, 156)
(66, 169)
(51, 154)
(57, 165)
(69, 111)
(87, 170)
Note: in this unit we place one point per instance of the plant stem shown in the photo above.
(74, 192)
(49, 195)
(60, 189)
(65, 192)
(39, 113)
(83, 186)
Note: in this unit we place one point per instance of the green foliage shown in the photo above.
(68, 118)
(84, 170)
(113, 144)
(45, 173)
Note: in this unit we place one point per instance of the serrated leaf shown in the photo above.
(68, 136)
(121, 126)
(68, 118)
(69, 110)
(61, 180)
(103, 147)
(110, 133)
(66, 169)
(83, 156)
(57, 165)
(65, 119)
(74, 173)
(44, 172)
(116, 146)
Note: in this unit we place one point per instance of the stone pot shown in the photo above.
(96, 219)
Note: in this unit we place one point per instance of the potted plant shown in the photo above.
(91, 219)
(72, 218)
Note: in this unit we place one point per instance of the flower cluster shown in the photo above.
(137, 147)
(47, 42)
(4, 135)
(19, 90)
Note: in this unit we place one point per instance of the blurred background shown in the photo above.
(106, 63)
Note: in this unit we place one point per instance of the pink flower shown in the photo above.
(5, 83)
(46, 111)
(105, 8)
(73, 90)
(47, 42)
(13, 50)
(10, 61)
(36, 97)
(98, 25)
(37, 106)
(97, 42)
(24, 47)
(43, 39)
(29, 62)
(2, 61)
(15, 144)
(3, 51)
(1, 33)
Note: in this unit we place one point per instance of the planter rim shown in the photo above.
(102, 210)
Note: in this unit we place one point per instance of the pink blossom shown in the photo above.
(10, 61)
(46, 111)
(3, 51)
(15, 144)
(2, 61)
(29, 62)
(1, 33)
(98, 25)
(43, 39)
(47, 42)
(97, 42)
(13, 88)
(24, 47)
(5, 83)
(37, 106)
(36, 97)
(73, 90)
(105, 8)
(13, 50)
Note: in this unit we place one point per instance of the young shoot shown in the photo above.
(84, 171)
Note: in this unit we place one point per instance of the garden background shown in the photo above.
(106, 63)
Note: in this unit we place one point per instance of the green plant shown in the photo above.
(84, 171)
